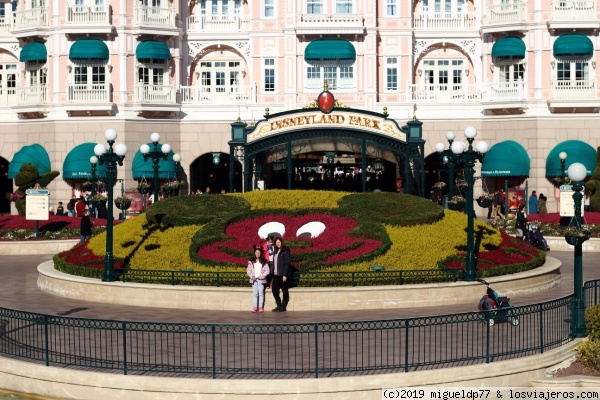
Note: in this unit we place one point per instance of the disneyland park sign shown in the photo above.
(314, 119)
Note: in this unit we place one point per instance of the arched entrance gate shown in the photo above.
(319, 138)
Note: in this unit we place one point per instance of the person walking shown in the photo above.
(498, 204)
(71, 206)
(281, 267)
(521, 221)
(258, 270)
(542, 209)
(85, 227)
(80, 207)
(533, 203)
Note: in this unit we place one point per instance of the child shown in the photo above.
(258, 270)
(60, 210)
(267, 249)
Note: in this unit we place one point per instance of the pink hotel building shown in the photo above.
(523, 72)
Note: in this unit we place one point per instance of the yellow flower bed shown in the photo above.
(421, 247)
(292, 199)
(127, 236)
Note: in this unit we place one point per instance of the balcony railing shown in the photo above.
(96, 93)
(508, 13)
(208, 95)
(155, 16)
(84, 15)
(435, 21)
(574, 90)
(205, 23)
(6, 25)
(32, 18)
(574, 10)
(451, 93)
(8, 97)
(330, 20)
(505, 91)
(31, 95)
(155, 94)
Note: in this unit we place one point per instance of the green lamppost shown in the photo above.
(159, 151)
(577, 173)
(111, 158)
(178, 170)
(563, 161)
(448, 158)
(93, 162)
(468, 156)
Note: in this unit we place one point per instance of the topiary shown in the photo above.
(593, 185)
(27, 177)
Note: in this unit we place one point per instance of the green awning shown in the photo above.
(86, 49)
(577, 151)
(511, 46)
(144, 169)
(77, 163)
(35, 51)
(152, 49)
(573, 44)
(506, 158)
(32, 154)
(337, 49)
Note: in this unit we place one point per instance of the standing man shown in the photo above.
(85, 228)
(281, 267)
(533, 203)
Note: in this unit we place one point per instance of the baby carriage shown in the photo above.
(496, 309)
(534, 236)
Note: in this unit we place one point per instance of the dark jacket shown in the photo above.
(283, 261)
(521, 220)
(86, 226)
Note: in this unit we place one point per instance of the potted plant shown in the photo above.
(439, 186)
(170, 187)
(461, 183)
(457, 203)
(143, 187)
(98, 200)
(123, 202)
(576, 237)
(87, 186)
(485, 200)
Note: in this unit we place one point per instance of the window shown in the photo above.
(443, 75)
(573, 71)
(392, 73)
(443, 8)
(152, 72)
(339, 75)
(343, 6)
(269, 8)
(269, 66)
(314, 6)
(511, 72)
(220, 76)
(36, 73)
(8, 81)
(392, 7)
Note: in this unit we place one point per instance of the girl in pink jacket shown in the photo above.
(258, 271)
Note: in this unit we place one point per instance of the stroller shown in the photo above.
(534, 236)
(496, 309)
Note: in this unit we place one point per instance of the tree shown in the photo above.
(593, 185)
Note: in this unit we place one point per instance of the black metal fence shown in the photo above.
(289, 350)
(301, 279)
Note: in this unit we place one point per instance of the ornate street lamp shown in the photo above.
(468, 157)
(448, 158)
(563, 160)
(93, 162)
(178, 169)
(577, 173)
(111, 158)
(159, 151)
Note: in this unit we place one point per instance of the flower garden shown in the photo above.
(216, 233)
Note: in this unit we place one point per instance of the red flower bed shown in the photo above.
(55, 223)
(81, 255)
(244, 236)
(554, 218)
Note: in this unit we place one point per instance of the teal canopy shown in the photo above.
(573, 44)
(77, 163)
(511, 46)
(32, 154)
(144, 169)
(330, 49)
(35, 51)
(88, 48)
(506, 158)
(577, 151)
(152, 49)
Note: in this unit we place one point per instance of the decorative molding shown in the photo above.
(199, 49)
(468, 45)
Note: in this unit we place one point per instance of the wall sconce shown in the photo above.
(524, 64)
(420, 71)
(492, 68)
(216, 158)
(466, 72)
(553, 64)
(109, 67)
(594, 64)
(69, 67)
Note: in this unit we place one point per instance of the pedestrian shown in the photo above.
(281, 268)
(498, 204)
(268, 247)
(80, 206)
(586, 201)
(258, 270)
(542, 209)
(60, 210)
(521, 221)
(71, 206)
(86, 226)
(533, 203)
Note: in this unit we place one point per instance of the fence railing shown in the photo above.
(92, 93)
(225, 23)
(154, 16)
(79, 14)
(304, 350)
(574, 10)
(31, 18)
(574, 90)
(302, 279)
(440, 20)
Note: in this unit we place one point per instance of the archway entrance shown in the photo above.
(5, 183)
(212, 170)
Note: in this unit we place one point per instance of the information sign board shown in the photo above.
(37, 207)
(567, 204)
